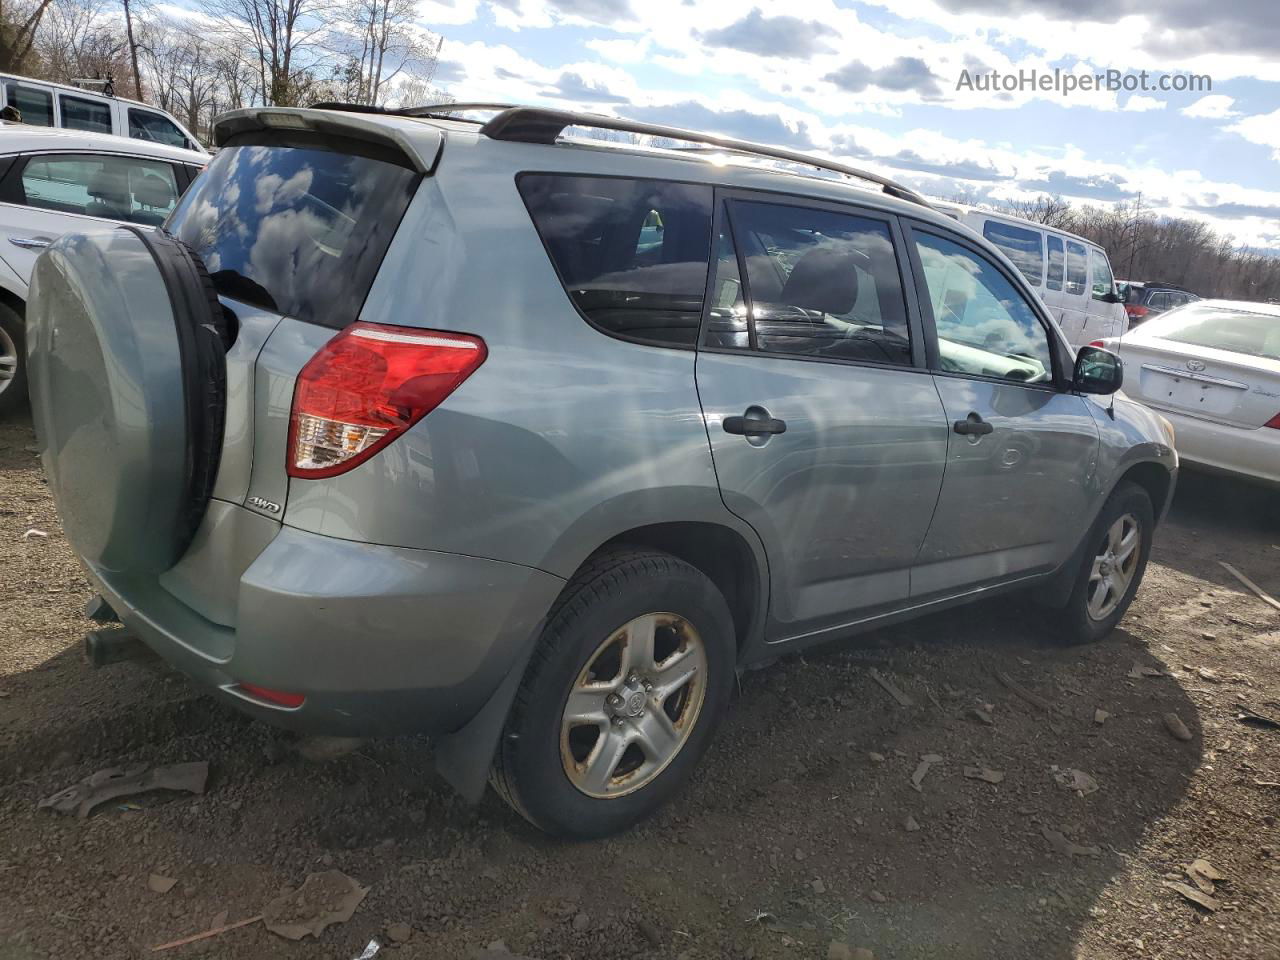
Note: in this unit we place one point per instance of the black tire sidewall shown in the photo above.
(14, 396)
(543, 791)
(1078, 626)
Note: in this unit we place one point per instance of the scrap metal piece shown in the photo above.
(131, 779)
(323, 900)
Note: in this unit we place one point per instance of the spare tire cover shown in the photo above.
(126, 369)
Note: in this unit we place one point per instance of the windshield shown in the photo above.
(1237, 331)
(298, 231)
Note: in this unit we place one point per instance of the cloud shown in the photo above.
(742, 124)
(1232, 211)
(783, 36)
(903, 74)
(1263, 129)
(597, 11)
(1216, 106)
(906, 159)
(574, 86)
(1107, 186)
(1140, 104)
(449, 71)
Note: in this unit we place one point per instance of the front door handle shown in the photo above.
(757, 424)
(30, 243)
(973, 426)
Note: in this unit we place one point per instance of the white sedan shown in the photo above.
(53, 181)
(1212, 368)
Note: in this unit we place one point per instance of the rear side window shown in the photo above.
(35, 105)
(1053, 280)
(1022, 246)
(113, 187)
(1077, 269)
(632, 254)
(81, 114)
(298, 231)
(145, 125)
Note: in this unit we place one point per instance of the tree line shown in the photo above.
(228, 53)
(1143, 245)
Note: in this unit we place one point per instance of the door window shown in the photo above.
(35, 105)
(145, 125)
(1077, 269)
(632, 254)
(819, 283)
(985, 325)
(1053, 281)
(81, 114)
(117, 188)
(1104, 282)
(1022, 246)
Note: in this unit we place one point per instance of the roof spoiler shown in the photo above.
(539, 125)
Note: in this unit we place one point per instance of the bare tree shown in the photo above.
(280, 34)
(1049, 210)
(379, 41)
(19, 21)
(133, 48)
(80, 38)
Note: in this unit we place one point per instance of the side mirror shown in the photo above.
(1111, 297)
(1097, 371)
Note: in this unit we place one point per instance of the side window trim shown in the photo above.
(721, 217)
(925, 303)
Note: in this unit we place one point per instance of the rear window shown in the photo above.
(632, 254)
(1020, 245)
(1251, 334)
(298, 231)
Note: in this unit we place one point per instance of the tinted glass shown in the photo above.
(298, 231)
(821, 284)
(1159, 301)
(1103, 281)
(1077, 269)
(117, 188)
(81, 114)
(36, 106)
(1252, 334)
(727, 325)
(1053, 281)
(144, 125)
(632, 254)
(985, 326)
(1020, 245)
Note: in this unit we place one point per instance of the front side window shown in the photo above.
(298, 231)
(81, 114)
(1053, 280)
(985, 326)
(819, 284)
(1077, 269)
(35, 105)
(1020, 245)
(115, 188)
(145, 125)
(632, 254)
(1104, 283)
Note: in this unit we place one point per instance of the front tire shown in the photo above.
(622, 697)
(1113, 566)
(13, 361)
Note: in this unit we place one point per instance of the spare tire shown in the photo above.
(127, 367)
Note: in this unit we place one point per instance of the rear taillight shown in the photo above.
(277, 697)
(1135, 311)
(367, 386)
(1274, 422)
(1100, 344)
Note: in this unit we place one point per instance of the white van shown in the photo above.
(1071, 274)
(45, 104)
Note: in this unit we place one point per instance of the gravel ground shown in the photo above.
(802, 828)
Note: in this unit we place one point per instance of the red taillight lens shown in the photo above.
(1100, 344)
(1274, 422)
(367, 386)
(278, 697)
(1135, 311)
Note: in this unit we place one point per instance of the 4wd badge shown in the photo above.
(264, 504)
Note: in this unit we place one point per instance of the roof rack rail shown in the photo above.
(437, 111)
(539, 125)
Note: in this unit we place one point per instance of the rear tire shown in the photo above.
(1114, 563)
(617, 751)
(13, 361)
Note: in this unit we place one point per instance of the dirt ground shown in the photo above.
(795, 833)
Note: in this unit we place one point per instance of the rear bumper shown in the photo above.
(1254, 454)
(380, 640)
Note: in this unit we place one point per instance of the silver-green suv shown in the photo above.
(528, 441)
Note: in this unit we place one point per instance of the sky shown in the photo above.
(894, 87)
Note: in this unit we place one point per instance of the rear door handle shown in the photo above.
(973, 426)
(753, 426)
(30, 243)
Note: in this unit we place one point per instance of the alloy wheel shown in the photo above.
(8, 360)
(1114, 567)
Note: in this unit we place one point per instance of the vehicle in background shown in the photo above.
(529, 442)
(46, 104)
(1212, 367)
(1071, 275)
(1144, 299)
(58, 181)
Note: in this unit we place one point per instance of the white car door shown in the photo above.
(46, 195)
(1103, 318)
(1075, 293)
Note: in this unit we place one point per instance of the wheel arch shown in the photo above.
(1156, 479)
(14, 302)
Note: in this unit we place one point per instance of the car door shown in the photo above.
(45, 195)
(826, 432)
(1022, 449)
(1074, 299)
(1103, 318)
